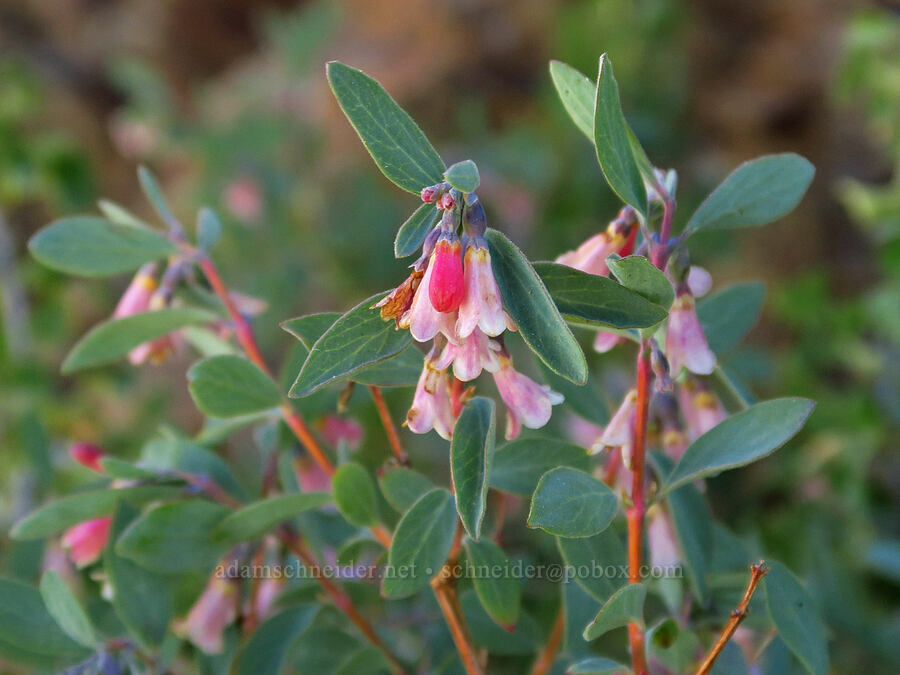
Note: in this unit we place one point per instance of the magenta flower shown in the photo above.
(685, 342)
(215, 608)
(87, 454)
(431, 407)
(481, 307)
(527, 402)
(476, 352)
(86, 540)
(446, 287)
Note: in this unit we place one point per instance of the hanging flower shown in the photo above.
(619, 433)
(398, 302)
(336, 429)
(215, 608)
(591, 256)
(605, 341)
(86, 540)
(527, 402)
(422, 319)
(431, 407)
(136, 298)
(662, 541)
(446, 287)
(685, 342)
(481, 307)
(476, 352)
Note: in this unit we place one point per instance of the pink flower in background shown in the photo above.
(244, 198)
(86, 540)
(266, 595)
(481, 307)
(155, 352)
(700, 406)
(476, 352)
(698, 281)
(591, 256)
(311, 477)
(619, 433)
(431, 407)
(335, 429)
(527, 402)
(446, 285)
(605, 341)
(685, 342)
(137, 296)
(216, 607)
(87, 454)
(661, 539)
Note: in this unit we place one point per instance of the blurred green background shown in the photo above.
(228, 103)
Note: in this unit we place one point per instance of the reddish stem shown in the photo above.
(636, 512)
(545, 661)
(389, 428)
(757, 572)
(244, 334)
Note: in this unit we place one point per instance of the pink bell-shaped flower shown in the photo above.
(86, 540)
(665, 552)
(604, 341)
(620, 430)
(476, 352)
(700, 406)
(431, 408)
(527, 402)
(87, 454)
(685, 342)
(481, 307)
(216, 607)
(446, 287)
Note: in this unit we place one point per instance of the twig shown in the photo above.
(545, 661)
(389, 428)
(635, 513)
(757, 572)
(341, 600)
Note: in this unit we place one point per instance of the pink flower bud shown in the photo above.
(87, 454)
(422, 319)
(86, 540)
(699, 281)
(447, 202)
(431, 407)
(244, 198)
(335, 429)
(447, 286)
(527, 402)
(215, 608)
(136, 298)
(685, 342)
(481, 306)
(430, 194)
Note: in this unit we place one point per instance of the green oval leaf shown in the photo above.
(154, 195)
(590, 300)
(756, 193)
(597, 555)
(29, 634)
(96, 247)
(571, 503)
(596, 665)
(642, 277)
(471, 455)
(354, 494)
(463, 176)
(66, 610)
(175, 537)
(612, 142)
(794, 614)
(254, 520)
(494, 581)
(141, 598)
(412, 233)
(519, 465)
(742, 438)
(63, 513)
(180, 455)
(230, 386)
(531, 307)
(577, 93)
(624, 607)
(421, 542)
(402, 370)
(113, 339)
(358, 339)
(209, 229)
(401, 486)
(525, 639)
(395, 142)
(265, 651)
(728, 315)
(309, 328)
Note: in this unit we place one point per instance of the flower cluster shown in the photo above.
(451, 298)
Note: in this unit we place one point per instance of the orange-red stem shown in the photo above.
(389, 428)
